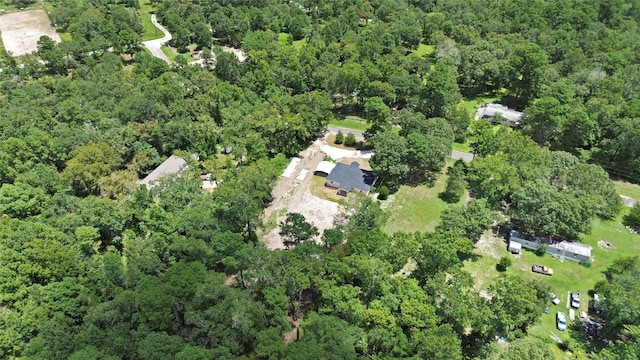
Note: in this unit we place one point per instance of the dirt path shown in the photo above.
(291, 194)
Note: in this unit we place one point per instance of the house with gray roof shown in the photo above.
(490, 111)
(172, 166)
(348, 178)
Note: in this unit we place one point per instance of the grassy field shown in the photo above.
(423, 50)
(627, 189)
(464, 147)
(297, 44)
(350, 122)
(169, 52)
(471, 104)
(416, 208)
(318, 189)
(568, 276)
(150, 32)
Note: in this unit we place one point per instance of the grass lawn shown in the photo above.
(318, 189)
(150, 32)
(297, 44)
(627, 189)
(423, 50)
(350, 122)
(169, 52)
(471, 104)
(568, 275)
(416, 208)
(464, 147)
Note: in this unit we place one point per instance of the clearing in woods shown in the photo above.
(21, 31)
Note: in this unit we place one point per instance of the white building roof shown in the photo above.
(325, 166)
(171, 166)
(515, 245)
(576, 248)
(490, 110)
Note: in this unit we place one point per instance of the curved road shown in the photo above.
(155, 45)
(457, 155)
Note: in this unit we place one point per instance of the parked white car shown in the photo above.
(575, 300)
(561, 321)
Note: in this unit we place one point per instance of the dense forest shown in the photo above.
(94, 266)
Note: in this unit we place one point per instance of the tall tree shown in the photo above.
(526, 67)
(440, 94)
(295, 229)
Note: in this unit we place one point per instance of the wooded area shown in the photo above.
(95, 266)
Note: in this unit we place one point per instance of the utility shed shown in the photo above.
(489, 111)
(348, 178)
(514, 247)
(172, 166)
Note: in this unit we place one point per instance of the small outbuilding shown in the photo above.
(514, 247)
(348, 178)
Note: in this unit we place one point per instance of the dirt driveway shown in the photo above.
(291, 194)
(22, 30)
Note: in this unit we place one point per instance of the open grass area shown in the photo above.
(350, 122)
(150, 32)
(423, 50)
(464, 147)
(169, 52)
(628, 189)
(417, 208)
(471, 104)
(318, 189)
(283, 40)
(568, 275)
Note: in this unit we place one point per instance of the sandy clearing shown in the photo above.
(292, 194)
(21, 31)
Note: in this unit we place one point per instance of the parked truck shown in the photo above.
(545, 270)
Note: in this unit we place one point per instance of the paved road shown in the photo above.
(459, 155)
(628, 201)
(359, 134)
(335, 129)
(155, 45)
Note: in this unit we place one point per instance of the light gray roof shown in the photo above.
(576, 248)
(173, 165)
(352, 177)
(490, 110)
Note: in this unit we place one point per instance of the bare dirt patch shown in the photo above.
(487, 245)
(21, 31)
(603, 244)
(292, 194)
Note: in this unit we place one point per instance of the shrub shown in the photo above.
(586, 263)
(542, 249)
(383, 194)
(504, 263)
(633, 218)
(350, 140)
(339, 138)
